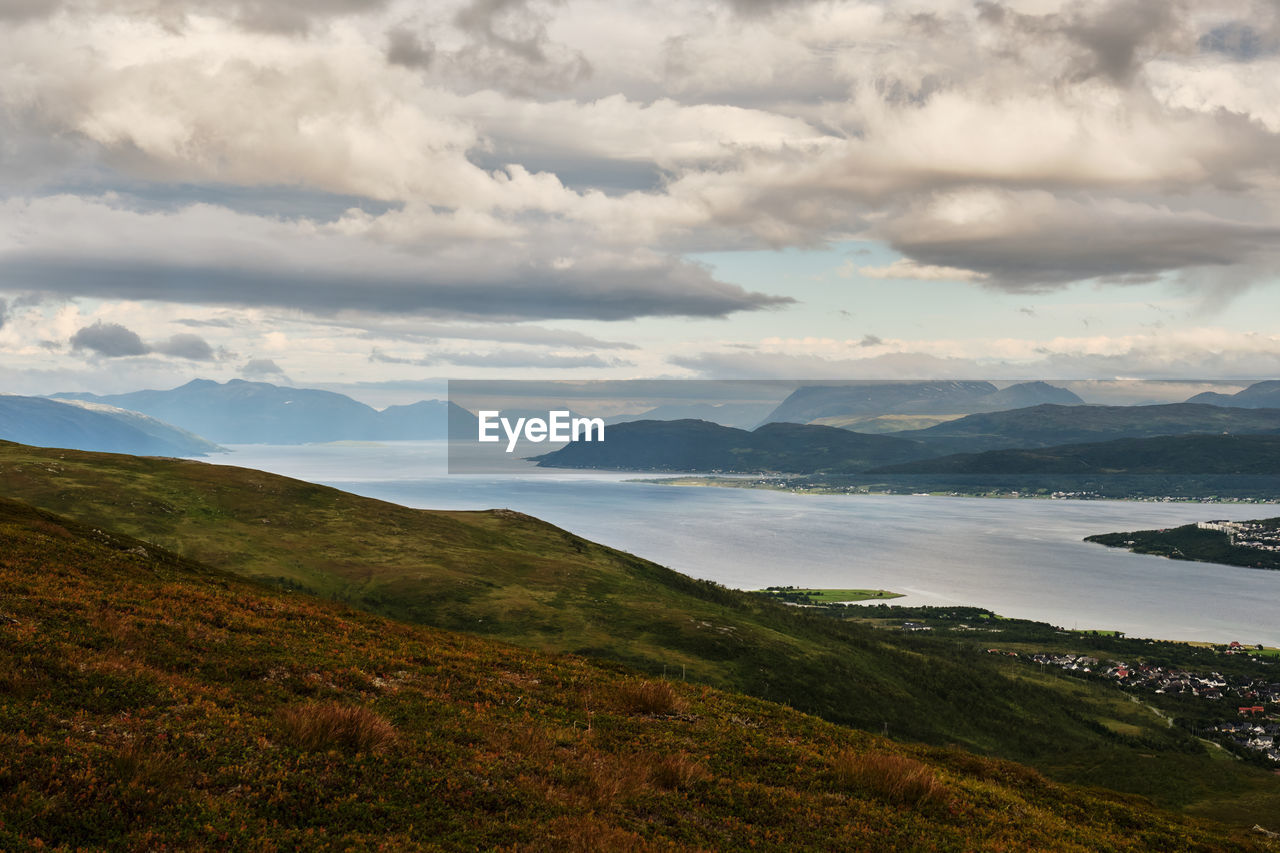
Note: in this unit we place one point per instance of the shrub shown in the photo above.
(329, 725)
(896, 778)
(649, 697)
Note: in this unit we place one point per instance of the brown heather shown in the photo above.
(331, 725)
(163, 705)
(896, 778)
(648, 697)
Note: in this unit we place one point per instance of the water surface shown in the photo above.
(1021, 558)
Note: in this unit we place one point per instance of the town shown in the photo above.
(1250, 729)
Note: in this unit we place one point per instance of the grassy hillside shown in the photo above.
(149, 702)
(515, 578)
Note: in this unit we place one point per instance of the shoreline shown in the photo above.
(748, 482)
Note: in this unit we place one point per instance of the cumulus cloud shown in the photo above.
(110, 340)
(536, 160)
(260, 368)
(188, 346)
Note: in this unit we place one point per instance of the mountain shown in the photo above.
(92, 426)
(240, 412)
(1260, 395)
(814, 402)
(425, 419)
(689, 445)
(1180, 454)
(740, 415)
(152, 702)
(1049, 425)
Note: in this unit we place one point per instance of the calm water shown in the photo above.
(1018, 557)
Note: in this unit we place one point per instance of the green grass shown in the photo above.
(514, 578)
(149, 702)
(829, 596)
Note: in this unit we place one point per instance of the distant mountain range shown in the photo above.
(240, 412)
(740, 415)
(81, 425)
(691, 445)
(1050, 425)
(828, 402)
(1171, 454)
(1260, 395)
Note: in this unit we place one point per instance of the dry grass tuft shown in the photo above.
(144, 764)
(649, 697)
(329, 725)
(896, 778)
(677, 772)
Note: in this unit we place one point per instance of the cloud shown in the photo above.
(4, 312)
(260, 368)
(404, 47)
(188, 346)
(501, 358)
(905, 268)
(110, 340)
(281, 16)
(518, 159)
(1024, 241)
(208, 255)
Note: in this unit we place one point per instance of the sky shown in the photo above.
(374, 195)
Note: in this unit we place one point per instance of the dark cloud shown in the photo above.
(1028, 242)
(188, 346)
(259, 368)
(509, 49)
(870, 341)
(20, 10)
(110, 340)
(4, 313)
(1116, 35)
(404, 47)
(670, 288)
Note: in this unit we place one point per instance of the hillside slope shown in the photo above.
(149, 702)
(515, 578)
